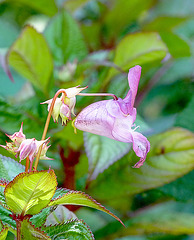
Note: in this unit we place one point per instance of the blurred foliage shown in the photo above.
(64, 43)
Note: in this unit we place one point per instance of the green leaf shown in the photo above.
(3, 233)
(30, 192)
(9, 168)
(82, 199)
(177, 46)
(138, 48)
(65, 39)
(47, 7)
(164, 23)
(170, 157)
(121, 15)
(59, 215)
(170, 218)
(185, 119)
(73, 5)
(102, 152)
(30, 56)
(75, 229)
(39, 219)
(181, 189)
(28, 231)
(5, 217)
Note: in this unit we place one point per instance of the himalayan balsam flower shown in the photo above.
(115, 119)
(22, 147)
(64, 106)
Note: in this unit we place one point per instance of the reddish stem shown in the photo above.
(27, 164)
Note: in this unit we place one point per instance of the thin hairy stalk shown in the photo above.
(98, 94)
(47, 124)
(27, 164)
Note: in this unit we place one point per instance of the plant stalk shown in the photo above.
(18, 226)
(27, 164)
(98, 94)
(47, 124)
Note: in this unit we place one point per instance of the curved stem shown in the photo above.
(27, 164)
(47, 124)
(98, 94)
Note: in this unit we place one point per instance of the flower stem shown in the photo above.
(27, 164)
(47, 124)
(98, 94)
(18, 226)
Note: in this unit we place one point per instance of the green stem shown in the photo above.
(47, 124)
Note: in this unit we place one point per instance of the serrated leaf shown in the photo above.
(30, 56)
(39, 219)
(3, 233)
(75, 229)
(138, 48)
(30, 192)
(5, 217)
(171, 156)
(60, 215)
(28, 231)
(81, 199)
(9, 168)
(102, 152)
(65, 39)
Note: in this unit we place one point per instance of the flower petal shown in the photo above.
(133, 79)
(96, 119)
(141, 147)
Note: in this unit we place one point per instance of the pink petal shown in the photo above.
(141, 147)
(133, 79)
(95, 119)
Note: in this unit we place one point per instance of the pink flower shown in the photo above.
(115, 119)
(22, 147)
(29, 148)
(64, 106)
(17, 137)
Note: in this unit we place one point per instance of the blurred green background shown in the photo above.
(50, 44)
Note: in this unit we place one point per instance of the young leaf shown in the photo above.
(81, 199)
(102, 152)
(75, 229)
(170, 157)
(30, 192)
(28, 231)
(30, 56)
(138, 48)
(65, 39)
